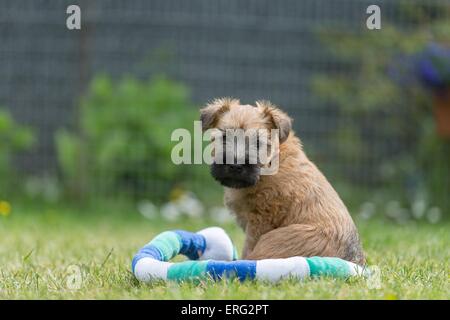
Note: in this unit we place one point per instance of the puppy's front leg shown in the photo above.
(245, 250)
(249, 243)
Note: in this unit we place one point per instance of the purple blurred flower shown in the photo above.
(429, 67)
(433, 66)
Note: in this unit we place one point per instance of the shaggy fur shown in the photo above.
(295, 212)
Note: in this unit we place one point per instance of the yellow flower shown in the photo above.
(5, 208)
(176, 194)
(390, 296)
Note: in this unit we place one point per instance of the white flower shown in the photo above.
(33, 187)
(147, 209)
(43, 186)
(170, 211)
(367, 210)
(418, 208)
(434, 215)
(221, 214)
(402, 216)
(393, 209)
(190, 205)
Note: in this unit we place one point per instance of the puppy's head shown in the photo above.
(241, 132)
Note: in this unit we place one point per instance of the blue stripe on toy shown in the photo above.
(242, 269)
(148, 251)
(192, 244)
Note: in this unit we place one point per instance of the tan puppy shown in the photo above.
(295, 212)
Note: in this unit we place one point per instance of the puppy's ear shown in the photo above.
(213, 110)
(278, 119)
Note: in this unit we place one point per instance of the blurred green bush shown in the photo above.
(376, 103)
(13, 138)
(123, 145)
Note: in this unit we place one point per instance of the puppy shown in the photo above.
(294, 212)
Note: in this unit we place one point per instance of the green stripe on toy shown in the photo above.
(328, 266)
(187, 270)
(168, 244)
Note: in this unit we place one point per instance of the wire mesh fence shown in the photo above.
(247, 49)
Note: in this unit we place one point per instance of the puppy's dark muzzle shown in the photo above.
(236, 175)
(234, 168)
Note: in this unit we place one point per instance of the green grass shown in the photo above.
(40, 249)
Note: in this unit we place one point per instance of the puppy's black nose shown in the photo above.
(236, 168)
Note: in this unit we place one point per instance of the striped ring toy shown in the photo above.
(213, 255)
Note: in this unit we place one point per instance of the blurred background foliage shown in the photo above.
(100, 116)
(382, 83)
(123, 141)
(13, 138)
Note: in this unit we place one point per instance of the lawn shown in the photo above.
(44, 251)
